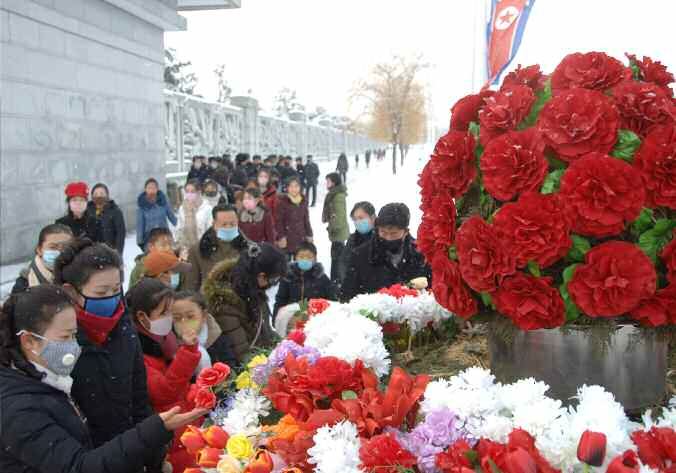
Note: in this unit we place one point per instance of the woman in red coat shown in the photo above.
(255, 219)
(170, 363)
(293, 218)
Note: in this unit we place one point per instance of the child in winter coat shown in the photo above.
(170, 361)
(194, 216)
(255, 220)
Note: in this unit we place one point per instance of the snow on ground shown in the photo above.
(376, 184)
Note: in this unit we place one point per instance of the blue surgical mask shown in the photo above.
(305, 264)
(102, 306)
(227, 234)
(49, 257)
(363, 226)
(175, 280)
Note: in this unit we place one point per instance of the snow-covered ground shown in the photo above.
(376, 184)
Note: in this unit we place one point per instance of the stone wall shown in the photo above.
(81, 100)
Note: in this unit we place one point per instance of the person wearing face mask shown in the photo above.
(222, 241)
(170, 361)
(363, 217)
(191, 315)
(211, 194)
(194, 216)
(110, 227)
(81, 222)
(154, 211)
(166, 268)
(255, 219)
(268, 190)
(389, 257)
(219, 173)
(109, 379)
(42, 429)
(199, 170)
(334, 215)
(305, 280)
(292, 220)
(236, 294)
(51, 241)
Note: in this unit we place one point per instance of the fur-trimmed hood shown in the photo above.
(218, 289)
(144, 203)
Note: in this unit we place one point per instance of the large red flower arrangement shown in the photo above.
(554, 197)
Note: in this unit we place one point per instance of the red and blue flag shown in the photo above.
(505, 30)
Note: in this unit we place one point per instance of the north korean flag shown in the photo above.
(505, 30)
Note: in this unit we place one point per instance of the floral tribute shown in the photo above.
(554, 197)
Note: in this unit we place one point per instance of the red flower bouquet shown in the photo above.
(554, 197)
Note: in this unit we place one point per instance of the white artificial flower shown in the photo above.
(247, 410)
(336, 449)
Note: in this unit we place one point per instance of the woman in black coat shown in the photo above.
(109, 380)
(363, 217)
(110, 227)
(41, 428)
(80, 221)
(305, 280)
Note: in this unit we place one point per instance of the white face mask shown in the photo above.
(161, 327)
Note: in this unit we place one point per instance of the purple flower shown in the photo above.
(276, 359)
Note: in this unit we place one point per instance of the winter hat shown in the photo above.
(395, 215)
(77, 189)
(158, 262)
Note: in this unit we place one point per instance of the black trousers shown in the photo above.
(343, 176)
(313, 188)
(337, 248)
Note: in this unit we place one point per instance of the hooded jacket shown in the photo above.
(335, 214)
(206, 254)
(292, 222)
(370, 268)
(109, 225)
(41, 432)
(304, 285)
(150, 215)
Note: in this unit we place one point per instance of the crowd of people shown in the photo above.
(97, 379)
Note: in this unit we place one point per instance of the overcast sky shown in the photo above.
(321, 47)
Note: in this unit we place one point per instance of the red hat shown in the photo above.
(77, 189)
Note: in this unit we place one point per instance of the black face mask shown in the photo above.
(392, 246)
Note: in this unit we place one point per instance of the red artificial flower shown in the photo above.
(294, 451)
(592, 448)
(642, 105)
(453, 164)
(466, 110)
(519, 461)
(603, 193)
(577, 122)
(449, 289)
(532, 233)
(399, 291)
(659, 310)
(193, 439)
(455, 459)
(615, 277)
(657, 447)
(504, 111)
(520, 439)
(530, 76)
(593, 70)
(653, 71)
(383, 454)
(530, 302)
(209, 457)
(669, 257)
(625, 463)
(655, 160)
(514, 163)
(484, 257)
(436, 232)
(213, 376)
(297, 336)
(317, 306)
(490, 451)
(428, 186)
(203, 398)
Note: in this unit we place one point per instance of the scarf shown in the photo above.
(38, 273)
(98, 328)
(252, 217)
(168, 344)
(62, 383)
(296, 200)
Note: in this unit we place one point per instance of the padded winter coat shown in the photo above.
(203, 221)
(335, 214)
(207, 254)
(292, 222)
(110, 227)
(304, 285)
(150, 215)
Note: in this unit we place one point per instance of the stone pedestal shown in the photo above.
(249, 138)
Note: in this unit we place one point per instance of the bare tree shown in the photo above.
(224, 90)
(392, 98)
(176, 75)
(287, 101)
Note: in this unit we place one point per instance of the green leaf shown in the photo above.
(627, 144)
(635, 71)
(472, 456)
(474, 129)
(452, 253)
(487, 299)
(653, 240)
(347, 395)
(580, 247)
(542, 98)
(534, 269)
(552, 182)
(554, 161)
(572, 311)
(494, 467)
(644, 221)
(478, 150)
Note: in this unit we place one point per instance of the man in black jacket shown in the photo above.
(390, 257)
(311, 179)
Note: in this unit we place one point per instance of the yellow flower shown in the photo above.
(244, 381)
(229, 465)
(239, 447)
(257, 361)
